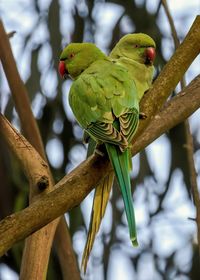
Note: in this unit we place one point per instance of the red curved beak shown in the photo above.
(62, 69)
(150, 54)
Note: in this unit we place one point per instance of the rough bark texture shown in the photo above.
(38, 246)
(74, 187)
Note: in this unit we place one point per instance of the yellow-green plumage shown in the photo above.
(133, 59)
(103, 100)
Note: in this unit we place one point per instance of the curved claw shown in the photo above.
(142, 116)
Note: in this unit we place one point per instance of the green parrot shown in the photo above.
(104, 100)
(135, 52)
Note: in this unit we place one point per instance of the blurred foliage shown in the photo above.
(54, 25)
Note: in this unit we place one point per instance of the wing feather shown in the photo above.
(106, 132)
(128, 124)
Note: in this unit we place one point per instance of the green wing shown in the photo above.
(99, 98)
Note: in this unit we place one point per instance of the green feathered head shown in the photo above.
(77, 57)
(139, 46)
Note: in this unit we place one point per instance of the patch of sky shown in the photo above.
(159, 157)
(54, 150)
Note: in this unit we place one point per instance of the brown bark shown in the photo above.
(74, 187)
(38, 246)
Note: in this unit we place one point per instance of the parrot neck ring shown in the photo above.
(150, 55)
(63, 69)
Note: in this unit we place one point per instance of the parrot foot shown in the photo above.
(142, 116)
(99, 152)
(86, 137)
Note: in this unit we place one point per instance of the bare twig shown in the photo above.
(174, 33)
(171, 23)
(193, 178)
(73, 188)
(189, 140)
(11, 34)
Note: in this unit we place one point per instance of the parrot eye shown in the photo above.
(71, 55)
(136, 46)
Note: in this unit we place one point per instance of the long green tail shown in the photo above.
(120, 162)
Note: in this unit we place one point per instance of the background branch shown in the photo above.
(38, 246)
(38, 174)
(73, 188)
(189, 141)
(19, 93)
(33, 165)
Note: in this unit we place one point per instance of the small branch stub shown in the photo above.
(43, 183)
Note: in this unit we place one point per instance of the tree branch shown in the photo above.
(73, 188)
(19, 93)
(174, 112)
(11, 34)
(69, 192)
(64, 253)
(189, 140)
(171, 23)
(38, 174)
(193, 179)
(35, 168)
(38, 246)
(174, 34)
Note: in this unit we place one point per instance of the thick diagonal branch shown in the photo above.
(73, 188)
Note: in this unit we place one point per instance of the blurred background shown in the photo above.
(160, 177)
